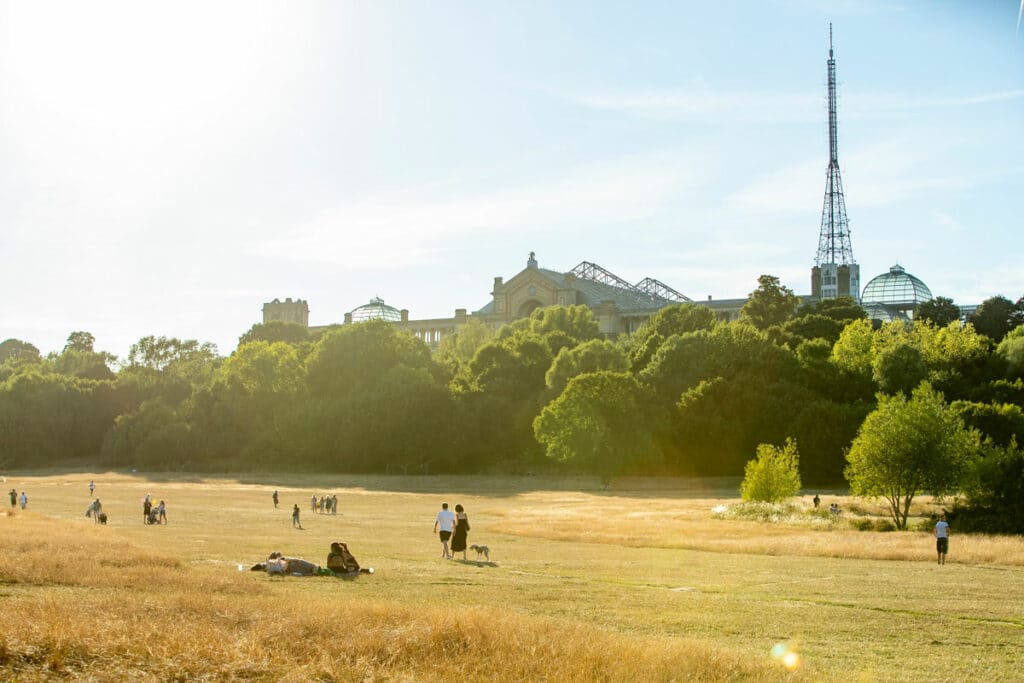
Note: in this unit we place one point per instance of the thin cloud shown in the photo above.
(683, 105)
(688, 105)
(401, 229)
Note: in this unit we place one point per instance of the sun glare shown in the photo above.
(147, 74)
(786, 654)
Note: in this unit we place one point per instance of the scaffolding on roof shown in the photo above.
(648, 287)
(659, 289)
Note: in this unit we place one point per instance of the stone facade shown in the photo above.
(287, 311)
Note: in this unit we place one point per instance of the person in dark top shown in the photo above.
(461, 530)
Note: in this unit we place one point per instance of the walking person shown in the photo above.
(443, 526)
(92, 487)
(942, 538)
(96, 508)
(461, 530)
(147, 506)
(162, 517)
(13, 493)
(295, 517)
(275, 498)
(334, 503)
(23, 500)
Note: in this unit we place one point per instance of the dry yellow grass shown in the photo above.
(687, 523)
(635, 584)
(112, 611)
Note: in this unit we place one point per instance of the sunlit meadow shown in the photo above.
(654, 580)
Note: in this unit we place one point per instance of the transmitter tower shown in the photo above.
(835, 273)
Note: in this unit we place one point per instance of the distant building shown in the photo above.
(894, 295)
(287, 311)
(618, 305)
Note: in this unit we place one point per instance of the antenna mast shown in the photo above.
(834, 241)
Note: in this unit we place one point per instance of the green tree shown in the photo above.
(1001, 423)
(1011, 349)
(843, 309)
(823, 319)
(78, 359)
(153, 437)
(774, 476)
(80, 341)
(995, 497)
(352, 358)
(577, 323)
(671, 320)
(853, 351)
(591, 356)
(276, 331)
(160, 353)
(812, 326)
(995, 317)
(770, 304)
(17, 349)
(899, 368)
(599, 422)
(939, 311)
(908, 446)
(455, 351)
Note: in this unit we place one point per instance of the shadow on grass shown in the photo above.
(477, 563)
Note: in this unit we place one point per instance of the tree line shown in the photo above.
(685, 394)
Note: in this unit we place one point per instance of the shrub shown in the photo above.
(774, 476)
(863, 524)
(884, 525)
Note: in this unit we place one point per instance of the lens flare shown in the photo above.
(787, 655)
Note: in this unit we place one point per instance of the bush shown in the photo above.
(774, 476)
(884, 525)
(863, 525)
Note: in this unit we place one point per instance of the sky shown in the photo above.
(166, 168)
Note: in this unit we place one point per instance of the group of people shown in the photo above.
(95, 510)
(15, 498)
(153, 513)
(340, 562)
(453, 526)
(325, 505)
(833, 508)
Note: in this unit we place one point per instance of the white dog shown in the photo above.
(481, 551)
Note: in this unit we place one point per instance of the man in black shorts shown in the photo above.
(446, 523)
(942, 538)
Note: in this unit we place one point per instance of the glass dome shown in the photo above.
(376, 310)
(896, 288)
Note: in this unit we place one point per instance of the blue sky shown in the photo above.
(167, 168)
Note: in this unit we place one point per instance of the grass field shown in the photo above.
(642, 582)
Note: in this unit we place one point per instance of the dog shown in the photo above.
(102, 517)
(481, 551)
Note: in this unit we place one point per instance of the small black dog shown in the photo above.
(101, 518)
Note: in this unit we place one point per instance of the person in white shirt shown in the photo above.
(942, 538)
(445, 522)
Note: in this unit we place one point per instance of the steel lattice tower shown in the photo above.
(835, 272)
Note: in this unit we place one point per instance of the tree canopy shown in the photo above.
(598, 421)
(908, 446)
(939, 311)
(770, 304)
